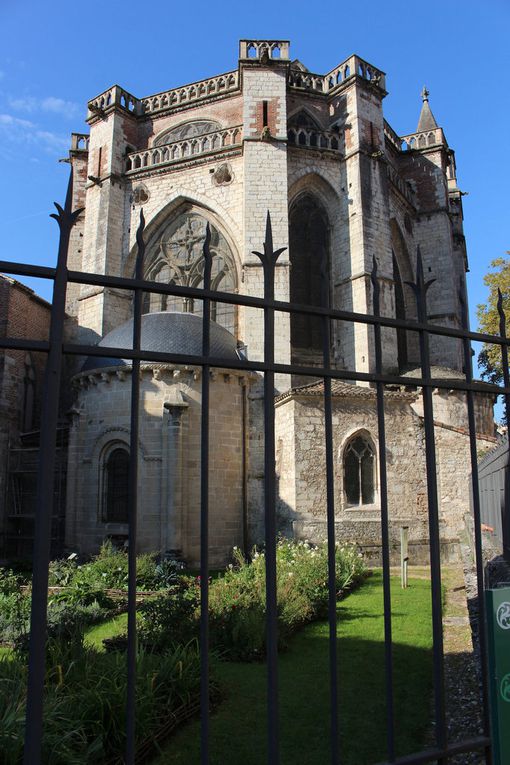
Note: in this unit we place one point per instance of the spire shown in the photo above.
(427, 120)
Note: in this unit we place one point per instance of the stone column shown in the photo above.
(171, 515)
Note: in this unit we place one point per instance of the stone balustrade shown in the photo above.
(189, 148)
(114, 96)
(392, 136)
(223, 83)
(400, 184)
(80, 142)
(253, 50)
(313, 139)
(423, 140)
(306, 80)
(354, 65)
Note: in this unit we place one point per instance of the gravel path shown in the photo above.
(462, 660)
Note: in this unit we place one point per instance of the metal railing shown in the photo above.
(57, 347)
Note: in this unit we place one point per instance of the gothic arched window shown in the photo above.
(175, 256)
(309, 258)
(359, 471)
(115, 485)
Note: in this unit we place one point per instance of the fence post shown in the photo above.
(404, 555)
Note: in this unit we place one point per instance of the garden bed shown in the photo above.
(86, 687)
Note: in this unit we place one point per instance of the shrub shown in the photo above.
(61, 572)
(85, 701)
(237, 599)
(169, 618)
(14, 607)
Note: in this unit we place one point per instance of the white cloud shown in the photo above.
(16, 122)
(16, 130)
(27, 104)
(50, 104)
(59, 106)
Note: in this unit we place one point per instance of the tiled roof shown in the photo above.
(342, 389)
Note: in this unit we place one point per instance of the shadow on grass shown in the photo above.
(238, 726)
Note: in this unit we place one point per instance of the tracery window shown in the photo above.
(359, 471)
(115, 485)
(175, 257)
(187, 130)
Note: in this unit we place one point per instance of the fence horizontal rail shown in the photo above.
(434, 755)
(257, 366)
(199, 293)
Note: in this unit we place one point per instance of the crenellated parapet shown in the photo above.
(425, 139)
(354, 66)
(114, 97)
(80, 142)
(262, 50)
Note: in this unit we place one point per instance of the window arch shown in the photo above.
(175, 257)
(309, 258)
(359, 471)
(186, 130)
(115, 470)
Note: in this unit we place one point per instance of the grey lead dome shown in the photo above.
(166, 332)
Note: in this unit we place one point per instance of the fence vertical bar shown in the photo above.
(504, 353)
(420, 289)
(45, 488)
(268, 259)
(506, 381)
(385, 542)
(133, 505)
(204, 513)
(330, 514)
(482, 626)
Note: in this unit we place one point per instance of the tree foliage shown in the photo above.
(489, 359)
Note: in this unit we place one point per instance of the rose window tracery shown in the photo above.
(175, 257)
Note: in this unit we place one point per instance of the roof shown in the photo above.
(342, 389)
(427, 120)
(166, 332)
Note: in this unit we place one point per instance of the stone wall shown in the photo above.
(22, 314)
(302, 475)
(169, 460)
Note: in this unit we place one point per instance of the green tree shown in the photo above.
(489, 359)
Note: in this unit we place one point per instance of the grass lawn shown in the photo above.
(95, 635)
(238, 726)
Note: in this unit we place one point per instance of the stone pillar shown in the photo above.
(171, 510)
(365, 230)
(265, 188)
(113, 130)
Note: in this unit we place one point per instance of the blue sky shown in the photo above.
(56, 56)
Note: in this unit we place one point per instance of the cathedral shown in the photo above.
(342, 187)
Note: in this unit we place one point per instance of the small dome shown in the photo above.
(166, 332)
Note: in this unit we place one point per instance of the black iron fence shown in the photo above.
(57, 348)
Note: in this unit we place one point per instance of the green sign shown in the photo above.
(498, 622)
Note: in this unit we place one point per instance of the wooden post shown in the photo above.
(404, 554)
